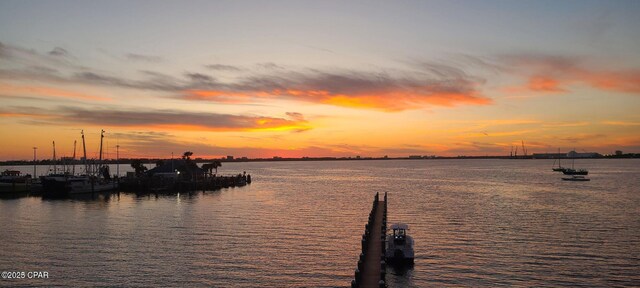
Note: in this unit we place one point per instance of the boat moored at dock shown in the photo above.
(399, 249)
(97, 177)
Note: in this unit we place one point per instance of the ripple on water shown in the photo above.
(477, 223)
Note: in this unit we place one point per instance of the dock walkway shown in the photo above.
(371, 266)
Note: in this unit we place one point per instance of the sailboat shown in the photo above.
(94, 180)
(560, 168)
(573, 171)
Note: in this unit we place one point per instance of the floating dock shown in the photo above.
(370, 272)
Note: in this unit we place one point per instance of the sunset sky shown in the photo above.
(319, 78)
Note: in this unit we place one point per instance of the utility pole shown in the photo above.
(34, 162)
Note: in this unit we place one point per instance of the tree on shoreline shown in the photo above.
(137, 165)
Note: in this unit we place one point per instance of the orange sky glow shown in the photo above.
(409, 83)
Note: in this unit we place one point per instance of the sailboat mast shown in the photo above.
(84, 149)
(55, 167)
(559, 158)
(74, 157)
(101, 137)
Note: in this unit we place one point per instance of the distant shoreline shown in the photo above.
(282, 159)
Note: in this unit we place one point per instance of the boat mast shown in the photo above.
(559, 166)
(118, 160)
(101, 137)
(74, 157)
(55, 168)
(84, 149)
(34, 162)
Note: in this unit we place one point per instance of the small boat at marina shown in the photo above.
(399, 245)
(576, 178)
(14, 182)
(61, 185)
(97, 178)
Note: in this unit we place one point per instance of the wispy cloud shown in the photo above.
(270, 66)
(59, 52)
(222, 67)
(621, 123)
(583, 137)
(566, 124)
(353, 89)
(555, 74)
(143, 58)
(43, 91)
(164, 119)
(433, 84)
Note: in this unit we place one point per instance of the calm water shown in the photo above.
(475, 222)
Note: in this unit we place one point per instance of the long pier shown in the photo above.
(370, 272)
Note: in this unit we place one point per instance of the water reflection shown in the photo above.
(475, 223)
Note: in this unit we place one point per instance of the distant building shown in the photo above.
(574, 154)
(618, 153)
(549, 155)
(229, 157)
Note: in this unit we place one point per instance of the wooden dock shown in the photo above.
(371, 265)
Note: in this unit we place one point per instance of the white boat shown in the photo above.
(59, 185)
(399, 247)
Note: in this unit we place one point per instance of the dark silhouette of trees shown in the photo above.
(138, 167)
(186, 171)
